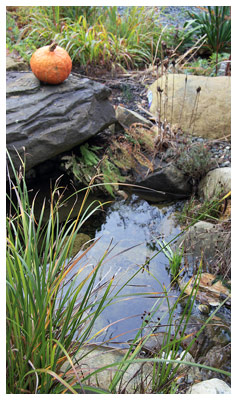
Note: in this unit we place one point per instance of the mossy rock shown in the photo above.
(80, 242)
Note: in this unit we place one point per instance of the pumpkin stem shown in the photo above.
(53, 46)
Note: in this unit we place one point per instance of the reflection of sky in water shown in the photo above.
(127, 224)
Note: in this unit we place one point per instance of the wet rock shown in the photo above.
(217, 357)
(47, 120)
(155, 342)
(212, 335)
(95, 357)
(216, 183)
(213, 115)
(202, 237)
(81, 242)
(167, 184)
(212, 386)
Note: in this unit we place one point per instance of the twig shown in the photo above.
(172, 103)
(158, 42)
(182, 106)
(195, 107)
(181, 58)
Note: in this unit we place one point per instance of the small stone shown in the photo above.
(211, 386)
(204, 309)
(226, 164)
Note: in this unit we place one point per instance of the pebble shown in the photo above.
(221, 151)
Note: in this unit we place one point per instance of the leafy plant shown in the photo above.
(174, 257)
(204, 66)
(114, 164)
(89, 165)
(215, 22)
(198, 67)
(180, 38)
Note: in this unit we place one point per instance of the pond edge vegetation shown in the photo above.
(42, 324)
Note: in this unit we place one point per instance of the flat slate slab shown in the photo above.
(46, 120)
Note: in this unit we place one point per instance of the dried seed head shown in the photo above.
(198, 89)
(166, 63)
(163, 44)
(159, 89)
(169, 52)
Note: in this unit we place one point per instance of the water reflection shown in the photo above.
(132, 226)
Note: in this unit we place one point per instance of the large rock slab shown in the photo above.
(213, 116)
(46, 120)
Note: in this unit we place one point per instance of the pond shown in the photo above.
(130, 230)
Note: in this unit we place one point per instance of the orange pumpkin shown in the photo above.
(51, 64)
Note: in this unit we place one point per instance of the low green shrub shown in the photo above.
(194, 161)
(205, 66)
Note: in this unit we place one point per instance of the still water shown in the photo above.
(130, 231)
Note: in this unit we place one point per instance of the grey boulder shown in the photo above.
(167, 184)
(216, 183)
(46, 120)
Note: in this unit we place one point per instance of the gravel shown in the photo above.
(171, 15)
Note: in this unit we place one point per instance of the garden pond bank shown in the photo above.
(131, 229)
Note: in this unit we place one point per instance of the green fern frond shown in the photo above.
(88, 156)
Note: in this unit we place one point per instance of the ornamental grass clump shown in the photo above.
(48, 315)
